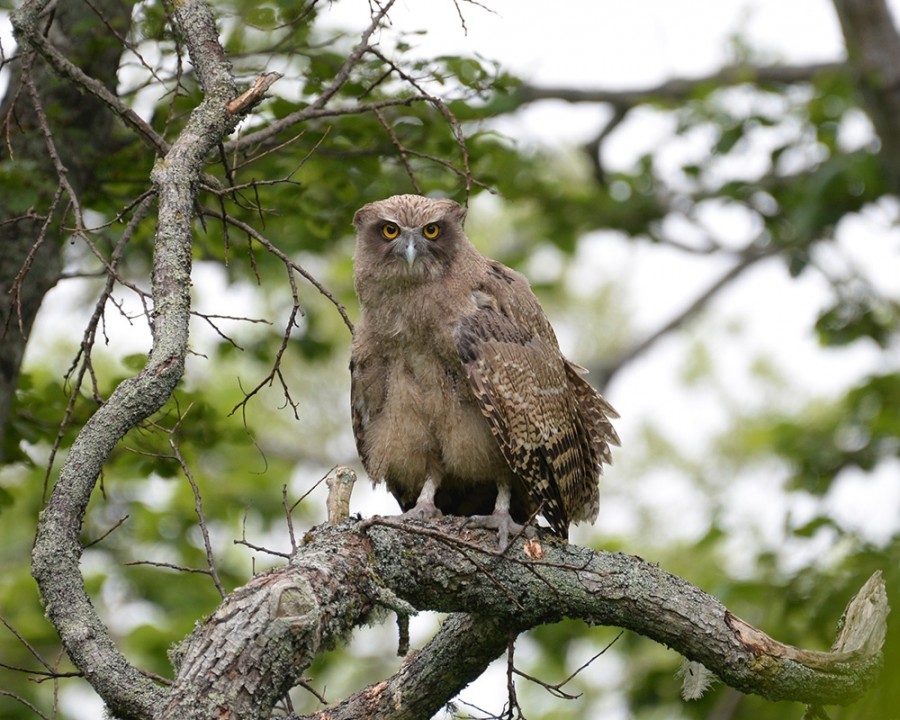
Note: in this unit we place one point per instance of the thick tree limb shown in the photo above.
(428, 678)
(343, 571)
(257, 643)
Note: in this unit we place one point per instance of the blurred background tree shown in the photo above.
(730, 280)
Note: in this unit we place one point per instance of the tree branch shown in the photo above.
(32, 242)
(873, 51)
(749, 258)
(265, 634)
(26, 24)
(678, 90)
(458, 654)
(57, 550)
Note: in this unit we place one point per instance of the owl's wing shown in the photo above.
(367, 392)
(520, 380)
(358, 414)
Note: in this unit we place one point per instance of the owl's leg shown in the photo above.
(425, 509)
(500, 519)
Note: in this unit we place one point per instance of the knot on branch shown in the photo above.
(248, 99)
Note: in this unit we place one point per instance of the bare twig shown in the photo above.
(81, 364)
(198, 502)
(556, 689)
(26, 21)
(168, 566)
(116, 525)
(401, 149)
(23, 701)
(291, 264)
(57, 548)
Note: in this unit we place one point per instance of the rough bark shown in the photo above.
(264, 635)
(32, 242)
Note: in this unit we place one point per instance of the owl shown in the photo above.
(461, 400)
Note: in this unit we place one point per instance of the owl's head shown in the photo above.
(408, 237)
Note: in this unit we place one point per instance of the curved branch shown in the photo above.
(458, 654)
(57, 549)
(343, 571)
(605, 588)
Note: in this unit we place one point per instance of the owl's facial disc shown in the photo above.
(415, 250)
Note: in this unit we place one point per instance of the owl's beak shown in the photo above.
(411, 252)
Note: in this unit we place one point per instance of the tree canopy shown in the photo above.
(176, 188)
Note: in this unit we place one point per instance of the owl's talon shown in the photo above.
(505, 526)
(422, 510)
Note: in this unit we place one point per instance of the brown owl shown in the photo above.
(461, 400)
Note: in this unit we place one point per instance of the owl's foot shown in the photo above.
(423, 510)
(505, 526)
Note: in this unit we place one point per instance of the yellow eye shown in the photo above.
(390, 231)
(431, 230)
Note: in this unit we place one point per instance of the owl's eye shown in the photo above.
(390, 231)
(431, 230)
